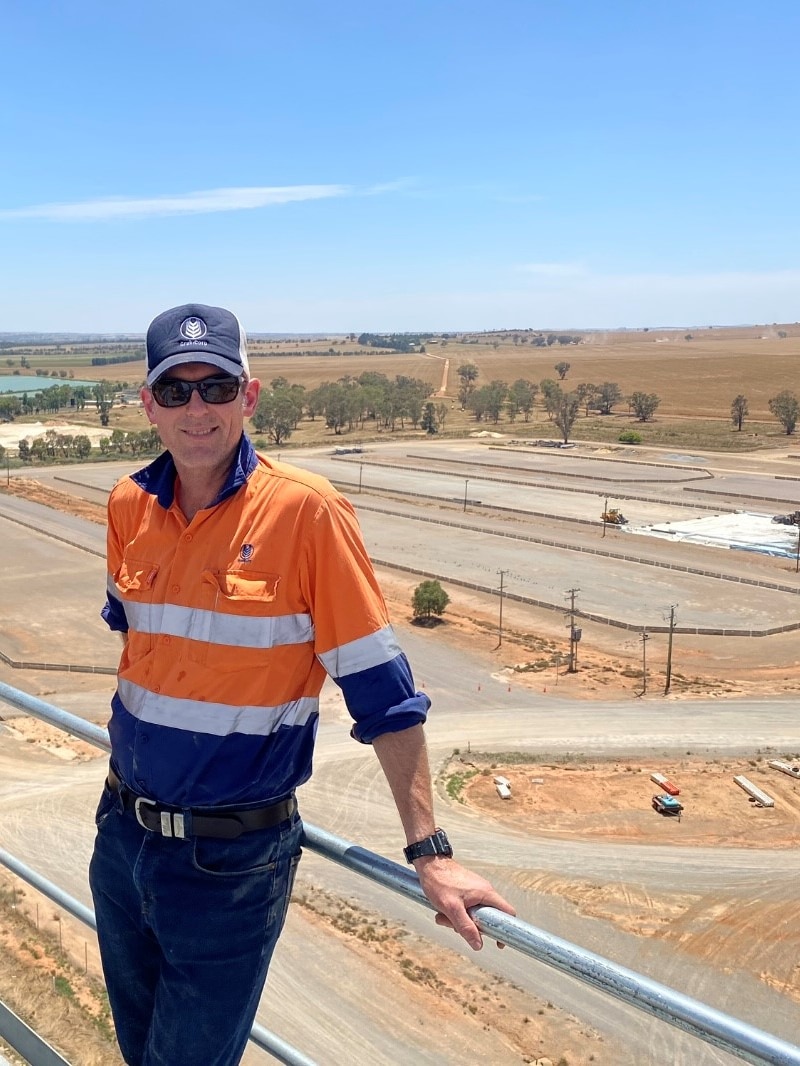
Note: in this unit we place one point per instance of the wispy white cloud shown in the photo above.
(210, 201)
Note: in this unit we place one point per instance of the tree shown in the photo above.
(561, 369)
(739, 409)
(82, 445)
(429, 599)
(565, 413)
(644, 404)
(428, 422)
(786, 408)
(103, 394)
(523, 395)
(278, 413)
(468, 375)
(608, 394)
(587, 394)
(489, 400)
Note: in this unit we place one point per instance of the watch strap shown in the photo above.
(435, 844)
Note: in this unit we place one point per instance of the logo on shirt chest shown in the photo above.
(246, 553)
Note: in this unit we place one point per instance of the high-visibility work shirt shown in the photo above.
(232, 621)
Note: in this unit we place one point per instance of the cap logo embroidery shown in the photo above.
(246, 553)
(192, 329)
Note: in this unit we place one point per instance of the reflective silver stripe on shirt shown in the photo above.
(211, 627)
(217, 719)
(362, 654)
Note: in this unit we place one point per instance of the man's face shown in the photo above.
(201, 436)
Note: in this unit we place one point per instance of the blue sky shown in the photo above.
(375, 166)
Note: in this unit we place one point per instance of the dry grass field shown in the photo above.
(696, 380)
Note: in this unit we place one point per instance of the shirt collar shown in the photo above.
(158, 478)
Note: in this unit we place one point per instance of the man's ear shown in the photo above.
(148, 403)
(250, 401)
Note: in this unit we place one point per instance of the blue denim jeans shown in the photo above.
(187, 929)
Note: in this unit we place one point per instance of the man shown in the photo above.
(236, 583)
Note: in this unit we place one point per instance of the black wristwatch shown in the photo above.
(436, 844)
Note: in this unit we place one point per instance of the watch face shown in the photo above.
(441, 843)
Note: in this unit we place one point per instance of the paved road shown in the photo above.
(45, 816)
(621, 589)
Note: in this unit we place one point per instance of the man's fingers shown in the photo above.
(442, 919)
(460, 921)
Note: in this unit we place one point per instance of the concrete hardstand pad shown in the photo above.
(574, 870)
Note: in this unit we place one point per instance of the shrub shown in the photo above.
(630, 436)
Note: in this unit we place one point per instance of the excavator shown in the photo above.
(614, 517)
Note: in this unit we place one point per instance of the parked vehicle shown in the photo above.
(665, 804)
(614, 517)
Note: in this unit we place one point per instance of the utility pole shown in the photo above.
(360, 474)
(669, 646)
(605, 512)
(574, 633)
(466, 482)
(502, 574)
(645, 638)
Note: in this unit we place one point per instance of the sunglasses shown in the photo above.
(173, 392)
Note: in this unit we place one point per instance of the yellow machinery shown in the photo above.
(614, 517)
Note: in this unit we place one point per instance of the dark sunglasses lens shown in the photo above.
(219, 390)
(172, 392)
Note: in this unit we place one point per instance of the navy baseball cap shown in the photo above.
(196, 333)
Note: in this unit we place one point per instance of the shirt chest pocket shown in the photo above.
(135, 581)
(238, 621)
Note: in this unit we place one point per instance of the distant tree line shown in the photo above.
(398, 342)
(107, 360)
(562, 407)
(344, 404)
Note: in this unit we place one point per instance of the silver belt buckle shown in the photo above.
(137, 811)
(171, 824)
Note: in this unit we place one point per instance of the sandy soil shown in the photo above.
(599, 800)
(36, 492)
(606, 801)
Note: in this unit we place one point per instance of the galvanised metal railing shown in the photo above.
(690, 1015)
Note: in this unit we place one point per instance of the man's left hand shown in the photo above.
(452, 888)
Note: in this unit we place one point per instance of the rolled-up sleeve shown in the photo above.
(353, 638)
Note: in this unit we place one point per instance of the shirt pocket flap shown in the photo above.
(252, 586)
(135, 577)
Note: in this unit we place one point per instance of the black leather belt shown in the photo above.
(171, 821)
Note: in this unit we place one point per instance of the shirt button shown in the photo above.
(156, 688)
(188, 537)
(176, 588)
(166, 640)
(144, 739)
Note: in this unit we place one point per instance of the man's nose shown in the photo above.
(196, 404)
